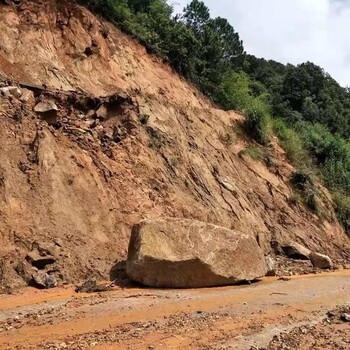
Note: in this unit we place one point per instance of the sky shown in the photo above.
(291, 31)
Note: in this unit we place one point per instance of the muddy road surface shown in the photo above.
(240, 317)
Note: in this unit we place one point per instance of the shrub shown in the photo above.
(258, 123)
(322, 144)
(292, 144)
(157, 139)
(312, 201)
(330, 152)
(302, 180)
(294, 199)
(336, 175)
(252, 151)
(342, 209)
(144, 119)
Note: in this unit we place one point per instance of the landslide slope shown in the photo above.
(73, 186)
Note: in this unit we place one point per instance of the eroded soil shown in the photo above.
(240, 317)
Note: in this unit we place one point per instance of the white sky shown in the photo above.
(291, 31)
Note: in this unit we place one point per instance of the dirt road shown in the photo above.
(241, 317)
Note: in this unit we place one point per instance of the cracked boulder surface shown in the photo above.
(179, 253)
(102, 138)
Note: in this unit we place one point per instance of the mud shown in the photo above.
(241, 317)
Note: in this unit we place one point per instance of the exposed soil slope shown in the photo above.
(75, 187)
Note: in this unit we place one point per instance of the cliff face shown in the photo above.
(76, 175)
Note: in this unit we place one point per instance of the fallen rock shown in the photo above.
(180, 253)
(296, 251)
(102, 112)
(9, 277)
(40, 262)
(48, 111)
(58, 242)
(46, 248)
(25, 271)
(45, 106)
(91, 286)
(28, 98)
(345, 317)
(271, 266)
(321, 261)
(11, 91)
(42, 279)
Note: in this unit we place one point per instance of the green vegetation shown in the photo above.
(144, 119)
(258, 123)
(292, 143)
(304, 183)
(303, 105)
(342, 207)
(302, 180)
(294, 199)
(157, 140)
(253, 152)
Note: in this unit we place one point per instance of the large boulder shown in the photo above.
(321, 261)
(180, 253)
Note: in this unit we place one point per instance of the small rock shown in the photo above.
(44, 280)
(102, 112)
(284, 279)
(321, 261)
(296, 251)
(23, 167)
(91, 286)
(51, 281)
(271, 266)
(16, 92)
(45, 248)
(345, 317)
(11, 91)
(28, 98)
(48, 111)
(45, 106)
(58, 242)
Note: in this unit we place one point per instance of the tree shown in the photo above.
(305, 80)
(196, 15)
(139, 5)
(310, 110)
(231, 47)
(183, 48)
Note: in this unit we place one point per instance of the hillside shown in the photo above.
(130, 139)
